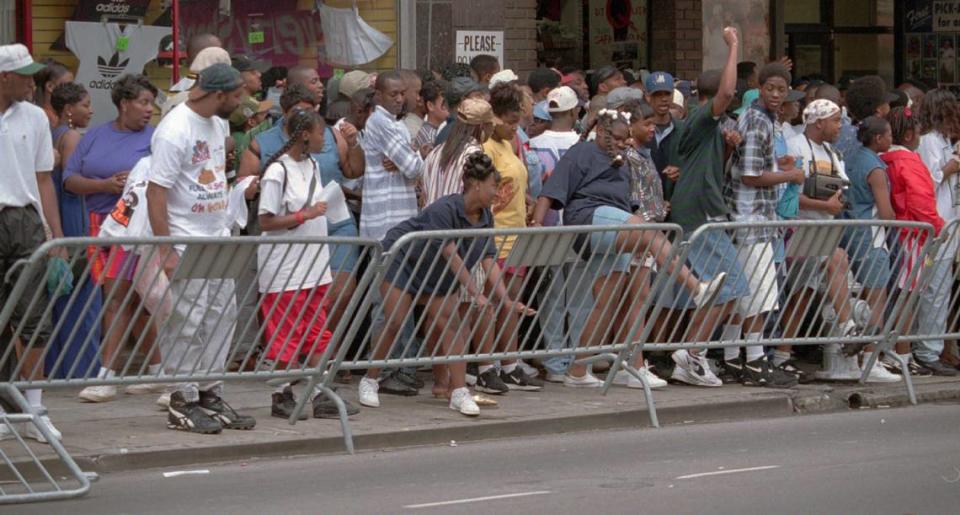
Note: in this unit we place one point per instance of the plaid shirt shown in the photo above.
(647, 190)
(752, 158)
(388, 197)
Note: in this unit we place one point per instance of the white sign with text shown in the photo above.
(471, 43)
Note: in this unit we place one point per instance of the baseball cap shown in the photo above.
(245, 64)
(16, 58)
(749, 97)
(503, 76)
(249, 108)
(475, 111)
(622, 95)
(658, 81)
(603, 74)
(678, 98)
(207, 57)
(540, 111)
(354, 81)
(561, 99)
(219, 77)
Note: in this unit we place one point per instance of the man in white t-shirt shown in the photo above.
(27, 198)
(187, 198)
(814, 154)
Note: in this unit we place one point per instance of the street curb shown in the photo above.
(789, 404)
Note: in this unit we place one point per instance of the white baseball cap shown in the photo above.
(16, 58)
(209, 57)
(503, 76)
(561, 99)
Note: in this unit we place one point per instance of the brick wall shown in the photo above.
(520, 35)
(677, 37)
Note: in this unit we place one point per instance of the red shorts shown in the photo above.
(517, 271)
(295, 323)
(111, 262)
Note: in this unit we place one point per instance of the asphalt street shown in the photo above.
(871, 461)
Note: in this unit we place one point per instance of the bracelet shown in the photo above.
(300, 218)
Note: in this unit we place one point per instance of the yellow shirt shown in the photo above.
(513, 174)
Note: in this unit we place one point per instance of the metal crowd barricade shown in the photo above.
(829, 272)
(159, 314)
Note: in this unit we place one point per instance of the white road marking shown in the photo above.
(178, 473)
(476, 499)
(731, 471)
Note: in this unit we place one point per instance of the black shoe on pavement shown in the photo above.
(490, 382)
(283, 404)
(325, 407)
(393, 386)
(217, 408)
(938, 368)
(410, 380)
(518, 380)
(916, 370)
(790, 368)
(759, 372)
(190, 417)
(730, 372)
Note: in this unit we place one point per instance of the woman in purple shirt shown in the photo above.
(98, 170)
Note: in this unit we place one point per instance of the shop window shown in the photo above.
(8, 22)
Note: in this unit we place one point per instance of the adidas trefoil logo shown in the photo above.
(112, 68)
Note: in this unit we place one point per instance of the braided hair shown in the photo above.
(479, 167)
(902, 121)
(606, 119)
(300, 123)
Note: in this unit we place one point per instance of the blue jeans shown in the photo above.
(570, 298)
(932, 309)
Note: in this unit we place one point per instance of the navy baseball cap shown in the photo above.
(658, 81)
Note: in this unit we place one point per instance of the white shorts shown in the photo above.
(761, 272)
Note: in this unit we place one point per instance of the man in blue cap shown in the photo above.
(659, 94)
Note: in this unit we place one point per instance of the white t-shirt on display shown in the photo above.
(825, 161)
(27, 148)
(189, 159)
(292, 267)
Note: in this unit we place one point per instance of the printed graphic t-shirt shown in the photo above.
(189, 159)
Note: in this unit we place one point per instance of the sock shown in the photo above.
(154, 370)
(780, 357)
(754, 352)
(906, 357)
(34, 397)
(483, 368)
(508, 369)
(730, 333)
(282, 387)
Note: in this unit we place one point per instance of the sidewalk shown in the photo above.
(130, 432)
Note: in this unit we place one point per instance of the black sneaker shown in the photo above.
(190, 417)
(790, 368)
(730, 372)
(518, 380)
(938, 368)
(490, 382)
(410, 380)
(393, 386)
(916, 370)
(217, 408)
(759, 373)
(325, 407)
(283, 404)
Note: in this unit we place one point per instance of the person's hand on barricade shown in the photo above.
(251, 192)
(114, 185)
(835, 205)
(672, 173)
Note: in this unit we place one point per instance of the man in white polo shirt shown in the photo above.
(27, 198)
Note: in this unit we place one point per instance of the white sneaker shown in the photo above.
(837, 367)
(31, 430)
(5, 432)
(529, 370)
(144, 389)
(708, 290)
(554, 378)
(99, 393)
(693, 370)
(461, 400)
(624, 378)
(164, 401)
(587, 381)
(880, 374)
(368, 392)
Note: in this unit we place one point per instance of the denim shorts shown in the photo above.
(343, 258)
(711, 253)
(873, 269)
(604, 258)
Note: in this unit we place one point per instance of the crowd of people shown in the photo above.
(468, 147)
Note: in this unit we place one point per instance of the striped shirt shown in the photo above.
(388, 197)
(437, 182)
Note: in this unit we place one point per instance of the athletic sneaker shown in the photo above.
(461, 400)
(837, 367)
(490, 382)
(101, 393)
(730, 372)
(588, 380)
(938, 368)
(189, 416)
(693, 370)
(473, 371)
(218, 408)
(708, 290)
(790, 367)
(368, 392)
(163, 401)
(528, 369)
(554, 378)
(880, 374)
(145, 388)
(519, 380)
(624, 378)
(893, 365)
(31, 430)
(283, 404)
(325, 407)
(759, 372)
